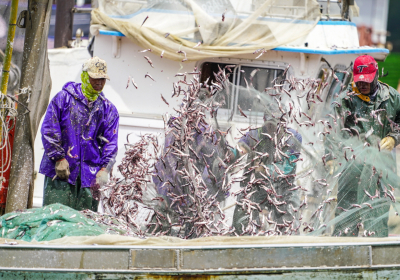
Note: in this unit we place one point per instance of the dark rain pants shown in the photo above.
(73, 196)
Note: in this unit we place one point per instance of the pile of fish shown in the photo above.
(115, 225)
(120, 198)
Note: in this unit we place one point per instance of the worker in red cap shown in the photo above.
(370, 109)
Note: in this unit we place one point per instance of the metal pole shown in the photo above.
(9, 48)
(64, 23)
(345, 9)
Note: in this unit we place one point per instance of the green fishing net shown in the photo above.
(56, 221)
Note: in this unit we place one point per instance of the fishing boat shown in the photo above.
(326, 47)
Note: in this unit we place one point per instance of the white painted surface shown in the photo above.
(146, 99)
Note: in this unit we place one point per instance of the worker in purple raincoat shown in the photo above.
(79, 135)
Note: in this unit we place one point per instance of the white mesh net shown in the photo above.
(196, 29)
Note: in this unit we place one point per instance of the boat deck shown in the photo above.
(250, 261)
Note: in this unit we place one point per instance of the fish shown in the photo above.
(165, 101)
(10, 243)
(223, 15)
(241, 112)
(134, 84)
(102, 138)
(69, 152)
(11, 217)
(183, 60)
(146, 18)
(148, 75)
(53, 222)
(149, 61)
(198, 44)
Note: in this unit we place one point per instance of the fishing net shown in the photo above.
(197, 29)
(253, 151)
(56, 221)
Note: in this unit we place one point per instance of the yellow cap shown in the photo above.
(96, 68)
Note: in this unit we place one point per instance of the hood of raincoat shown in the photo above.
(71, 130)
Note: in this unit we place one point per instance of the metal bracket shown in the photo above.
(22, 16)
(116, 46)
(302, 63)
(82, 10)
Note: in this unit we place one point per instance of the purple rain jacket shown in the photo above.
(69, 123)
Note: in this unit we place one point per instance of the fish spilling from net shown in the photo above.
(279, 178)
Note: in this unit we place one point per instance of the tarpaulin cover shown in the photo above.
(224, 28)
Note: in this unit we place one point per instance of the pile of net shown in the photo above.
(282, 162)
(56, 221)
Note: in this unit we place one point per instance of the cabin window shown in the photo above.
(255, 79)
(207, 75)
(338, 86)
(246, 81)
(334, 88)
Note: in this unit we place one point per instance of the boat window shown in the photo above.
(337, 86)
(208, 72)
(324, 74)
(259, 79)
(245, 81)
